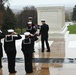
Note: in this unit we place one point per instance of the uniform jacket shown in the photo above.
(44, 31)
(32, 29)
(10, 46)
(28, 47)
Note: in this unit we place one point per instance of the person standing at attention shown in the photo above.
(30, 28)
(44, 35)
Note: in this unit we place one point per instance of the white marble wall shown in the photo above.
(54, 16)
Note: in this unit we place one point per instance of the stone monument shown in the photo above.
(55, 18)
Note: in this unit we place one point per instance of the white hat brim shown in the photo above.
(27, 33)
(10, 30)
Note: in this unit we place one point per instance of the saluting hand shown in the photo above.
(31, 35)
(14, 33)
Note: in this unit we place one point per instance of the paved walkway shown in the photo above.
(48, 68)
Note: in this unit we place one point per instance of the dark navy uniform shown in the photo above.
(27, 49)
(32, 29)
(44, 36)
(1, 50)
(10, 49)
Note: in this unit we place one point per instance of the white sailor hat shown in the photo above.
(27, 33)
(0, 31)
(42, 20)
(29, 17)
(29, 22)
(10, 30)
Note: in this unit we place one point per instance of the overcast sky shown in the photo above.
(23, 3)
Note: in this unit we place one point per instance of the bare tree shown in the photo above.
(23, 16)
(2, 11)
(3, 1)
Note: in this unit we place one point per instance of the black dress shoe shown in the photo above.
(47, 51)
(30, 72)
(0, 67)
(42, 51)
(33, 51)
(13, 72)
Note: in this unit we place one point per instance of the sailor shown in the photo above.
(30, 19)
(27, 49)
(44, 35)
(1, 50)
(10, 49)
(32, 29)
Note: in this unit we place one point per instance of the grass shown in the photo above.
(19, 30)
(72, 29)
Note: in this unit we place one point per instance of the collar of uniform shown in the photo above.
(27, 28)
(29, 41)
(7, 39)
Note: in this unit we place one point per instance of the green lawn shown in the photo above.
(72, 29)
(19, 30)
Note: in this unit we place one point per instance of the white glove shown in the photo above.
(31, 34)
(14, 33)
(0, 31)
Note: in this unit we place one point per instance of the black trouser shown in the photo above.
(11, 61)
(0, 62)
(33, 46)
(28, 62)
(47, 44)
(1, 54)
